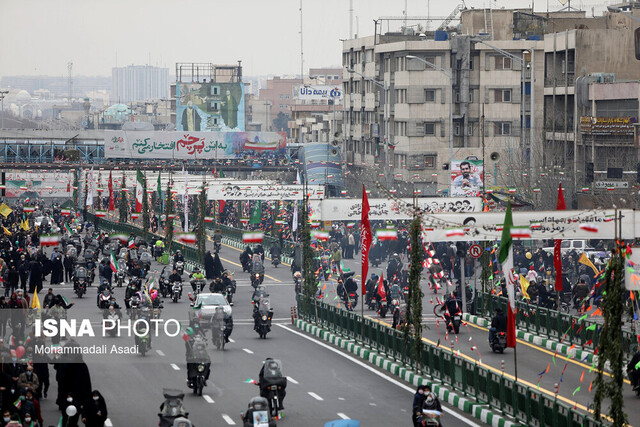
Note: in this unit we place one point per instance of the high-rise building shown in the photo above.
(139, 83)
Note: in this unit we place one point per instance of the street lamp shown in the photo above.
(385, 88)
(3, 93)
(449, 74)
(522, 62)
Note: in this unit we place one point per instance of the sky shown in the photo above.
(39, 37)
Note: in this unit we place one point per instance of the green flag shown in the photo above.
(256, 213)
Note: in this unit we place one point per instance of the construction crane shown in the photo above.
(452, 16)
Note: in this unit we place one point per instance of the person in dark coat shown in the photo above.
(209, 266)
(4, 316)
(217, 266)
(35, 275)
(13, 280)
(57, 271)
(23, 270)
(68, 269)
(94, 411)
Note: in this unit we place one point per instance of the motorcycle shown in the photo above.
(256, 279)
(134, 307)
(499, 342)
(350, 300)
(216, 247)
(164, 285)
(80, 281)
(430, 418)
(229, 290)
(218, 328)
(103, 299)
(176, 291)
(197, 285)
(275, 260)
(257, 405)
(81, 288)
(198, 364)
(113, 316)
(121, 274)
(297, 284)
(179, 266)
(265, 314)
(143, 341)
(384, 307)
(172, 408)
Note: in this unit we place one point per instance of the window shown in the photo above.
(215, 90)
(470, 129)
(502, 95)
(430, 95)
(503, 63)
(457, 96)
(430, 161)
(401, 96)
(470, 95)
(502, 128)
(471, 63)
(214, 105)
(456, 129)
(429, 128)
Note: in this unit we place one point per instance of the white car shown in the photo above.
(206, 304)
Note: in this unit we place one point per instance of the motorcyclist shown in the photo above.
(350, 284)
(580, 292)
(257, 405)
(394, 267)
(258, 297)
(371, 285)
(633, 371)
(275, 250)
(196, 353)
(260, 251)
(128, 294)
(271, 374)
(178, 257)
(245, 258)
(103, 287)
(175, 277)
(197, 275)
(431, 403)
(217, 237)
(297, 279)
(217, 286)
(498, 324)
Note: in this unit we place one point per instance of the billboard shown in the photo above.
(240, 190)
(209, 106)
(322, 164)
(466, 178)
(318, 93)
(194, 145)
(607, 126)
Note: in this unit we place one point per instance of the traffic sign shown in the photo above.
(475, 251)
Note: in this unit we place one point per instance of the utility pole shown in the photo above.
(3, 93)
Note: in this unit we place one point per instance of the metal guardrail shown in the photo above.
(527, 405)
(190, 253)
(550, 323)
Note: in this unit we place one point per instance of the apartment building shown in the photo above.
(468, 104)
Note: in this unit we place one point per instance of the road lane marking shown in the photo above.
(375, 372)
(108, 423)
(247, 350)
(343, 416)
(160, 353)
(341, 398)
(291, 380)
(372, 404)
(231, 340)
(500, 372)
(208, 398)
(315, 396)
(175, 367)
(228, 419)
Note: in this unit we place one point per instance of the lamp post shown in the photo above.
(449, 74)
(522, 62)
(383, 85)
(3, 93)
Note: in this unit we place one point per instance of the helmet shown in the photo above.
(189, 331)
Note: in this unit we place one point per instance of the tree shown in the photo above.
(123, 204)
(610, 342)
(145, 208)
(168, 213)
(414, 315)
(309, 279)
(201, 234)
(281, 122)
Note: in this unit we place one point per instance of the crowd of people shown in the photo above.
(25, 375)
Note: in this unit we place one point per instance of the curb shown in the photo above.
(479, 412)
(549, 344)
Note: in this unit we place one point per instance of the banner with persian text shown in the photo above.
(239, 190)
(385, 209)
(194, 145)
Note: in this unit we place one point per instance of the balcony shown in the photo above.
(558, 81)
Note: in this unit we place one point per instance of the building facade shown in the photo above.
(139, 83)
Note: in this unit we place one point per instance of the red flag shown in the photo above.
(381, 290)
(365, 238)
(112, 202)
(222, 203)
(557, 243)
(69, 186)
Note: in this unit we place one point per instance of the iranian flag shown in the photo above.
(101, 214)
(245, 221)
(132, 243)
(208, 219)
(351, 225)
(387, 234)
(139, 191)
(520, 232)
(506, 259)
(315, 224)
(114, 264)
(28, 209)
(189, 238)
(591, 228)
(320, 235)
(121, 237)
(252, 237)
(65, 212)
(49, 240)
(171, 216)
(454, 232)
(248, 145)
(68, 228)
(135, 215)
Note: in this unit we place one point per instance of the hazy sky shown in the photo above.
(39, 37)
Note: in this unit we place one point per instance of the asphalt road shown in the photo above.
(324, 383)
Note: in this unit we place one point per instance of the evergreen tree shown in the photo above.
(145, 208)
(309, 286)
(168, 211)
(414, 314)
(201, 234)
(610, 342)
(122, 205)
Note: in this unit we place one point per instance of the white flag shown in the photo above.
(294, 225)
(185, 200)
(90, 189)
